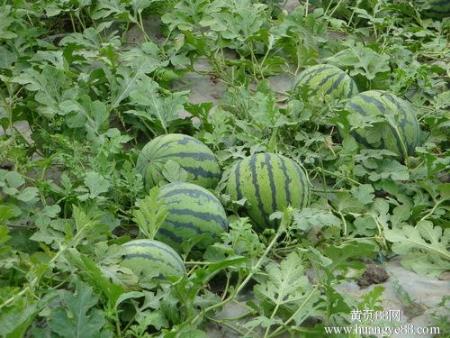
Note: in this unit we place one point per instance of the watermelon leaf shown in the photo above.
(423, 248)
(150, 213)
(286, 287)
(77, 317)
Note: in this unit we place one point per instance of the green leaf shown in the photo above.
(28, 194)
(14, 179)
(96, 184)
(347, 255)
(15, 320)
(287, 284)
(364, 193)
(173, 172)
(157, 108)
(51, 87)
(363, 60)
(94, 276)
(308, 218)
(77, 317)
(150, 214)
(423, 248)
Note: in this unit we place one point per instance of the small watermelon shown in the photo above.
(192, 211)
(434, 8)
(194, 157)
(398, 129)
(328, 81)
(269, 182)
(149, 258)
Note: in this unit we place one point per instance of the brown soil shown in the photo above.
(374, 274)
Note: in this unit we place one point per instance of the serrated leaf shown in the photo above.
(28, 194)
(307, 218)
(364, 193)
(428, 245)
(150, 214)
(286, 282)
(96, 184)
(77, 318)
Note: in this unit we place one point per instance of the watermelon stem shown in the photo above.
(338, 175)
(344, 224)
(404, 150)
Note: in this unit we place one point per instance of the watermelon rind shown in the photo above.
(191, 211)
(397, 128)
(151, 259)
(434, 8)
(269, 182)
(194, 157)
(327, 81)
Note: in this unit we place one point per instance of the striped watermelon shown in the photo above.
(192, 211)
(329, 81)
(269, 182)
(399, 131)
(435, 8)
(192, 155)
(149, 258)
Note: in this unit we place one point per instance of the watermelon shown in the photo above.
(149, 258)
(192, 211)
(398, 129)
(435, 8)
(194, 157)
(269, 182)
(328, 81)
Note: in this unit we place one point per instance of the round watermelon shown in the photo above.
(397, 130)
(434, 8)
(328, 81)
(194, 157)
(269, 182)
(192, 211)
(149, 258)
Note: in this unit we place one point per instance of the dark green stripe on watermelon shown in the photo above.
(151, 259)
(191, 211)
(200, 172)
(147, 256)
(163, 232)
(194, 193)
(336, 83)
(328, 80)
(154, 244)
(204, 216)
(196, 156)
(237, 174)
(190, 154)
(255, 181)
(287, 179)
(358, 108)
(310, 72)
(269, 182)
(371, 100)
(268, 163)
(400, 131)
